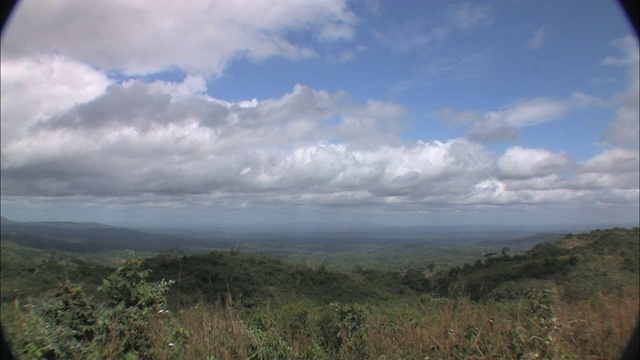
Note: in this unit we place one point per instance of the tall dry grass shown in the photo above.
(433, 329)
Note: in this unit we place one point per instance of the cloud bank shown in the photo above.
(72, 131)
(146, 36)
(163, 141)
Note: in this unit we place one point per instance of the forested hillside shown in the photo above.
(576, 297)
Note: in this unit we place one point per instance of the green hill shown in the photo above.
(255, 279)
(601, 261)
(575, 297)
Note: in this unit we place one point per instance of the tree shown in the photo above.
(128, 287)
(133, 302)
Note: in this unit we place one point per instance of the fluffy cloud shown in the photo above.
(155, 143)
(615, 160)
(612, 169)
(165, 143)
(70, 133)
(42, 86)
(142, 37)
(519, 163)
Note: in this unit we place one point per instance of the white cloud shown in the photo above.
(503, 124)
(189, 86)
(614, 171)
(629, 47)
(519, 163)
(70, 132)
(624, 129)
(307, 147)
(43, 86)
(530, 112)
(612, 161)
(145, 36)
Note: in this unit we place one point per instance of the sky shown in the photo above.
(320, 113)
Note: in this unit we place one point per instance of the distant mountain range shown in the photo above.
(56, 224)
(523, 243)
(90, 236)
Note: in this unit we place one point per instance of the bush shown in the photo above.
(342, 329)
(66, 324)
(62, 325)
(128, 287)
(132, 302)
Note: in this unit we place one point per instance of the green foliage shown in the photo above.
(62, 325)
(127, 287)
(66, 324)
(537, 338)
(342, 328)
(584, 264)
(573, 298)
(32, 272)
(71, 310)
(132, 302)
(258, 280)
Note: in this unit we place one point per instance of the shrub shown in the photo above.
(342, 329)
(132, 302)
(128, 287)
(62, 325)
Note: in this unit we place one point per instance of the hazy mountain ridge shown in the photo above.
(56, 224)
(77, 237)
(523, 243)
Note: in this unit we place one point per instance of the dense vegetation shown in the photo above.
(573, 298)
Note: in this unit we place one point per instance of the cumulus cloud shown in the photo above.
(154, 143)
(165, 139)
(612, 161)
(70, 132)
(42, 86)
(519, 163)
(171, 138)
(145, 37)
(161, 141)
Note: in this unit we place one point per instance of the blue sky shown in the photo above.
(320, 112)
